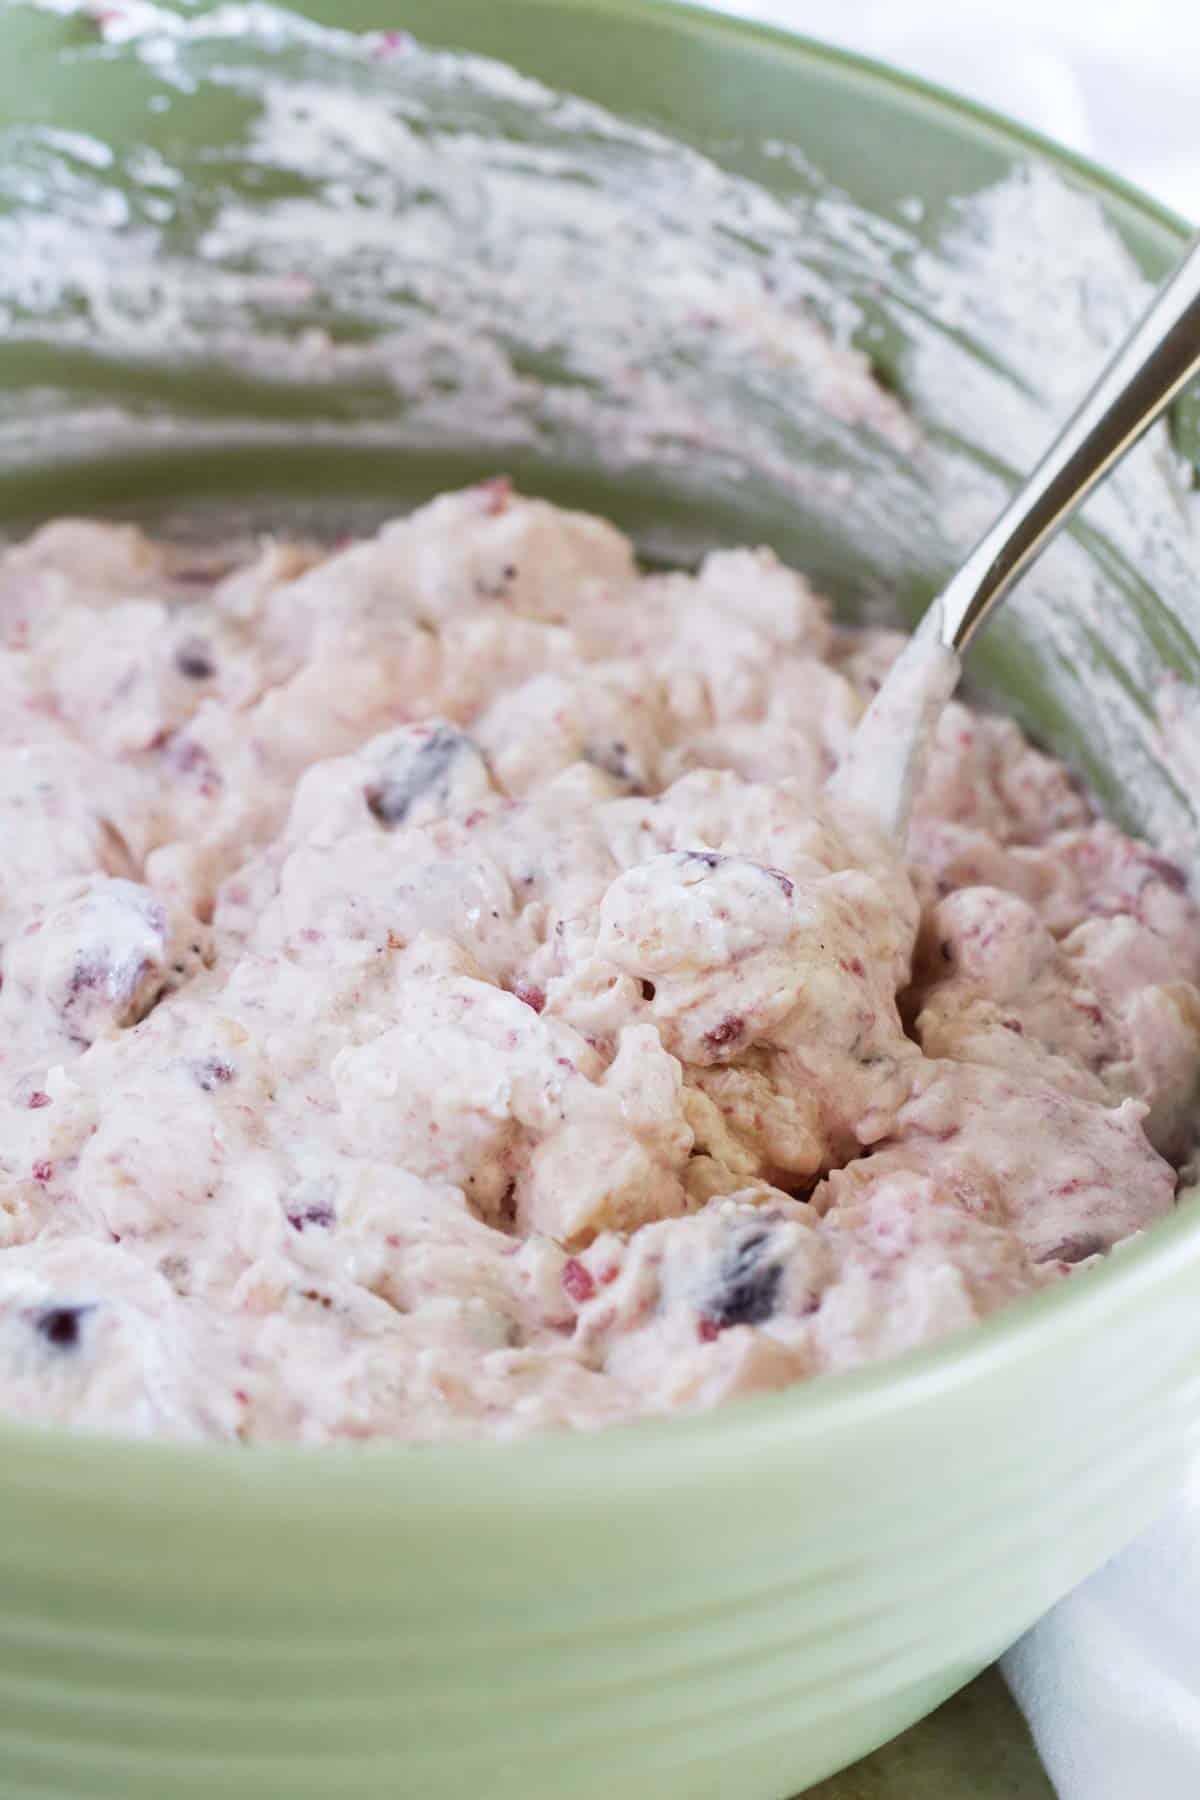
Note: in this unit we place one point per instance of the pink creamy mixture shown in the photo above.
(439, 999)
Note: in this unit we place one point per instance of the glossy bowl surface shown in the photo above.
(733, 1604)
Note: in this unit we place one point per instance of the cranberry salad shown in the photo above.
(439, 999)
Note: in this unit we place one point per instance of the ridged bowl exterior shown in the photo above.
(727, 1605)
(731, 1605)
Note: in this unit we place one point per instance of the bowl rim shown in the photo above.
(702, 20)
(289, 1480)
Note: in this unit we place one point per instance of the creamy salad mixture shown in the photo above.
(440, 999)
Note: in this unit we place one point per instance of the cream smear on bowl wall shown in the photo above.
(656, 311)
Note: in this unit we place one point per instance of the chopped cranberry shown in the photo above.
(498, 491)
(42, 1171)
(1169, 873)
(391, 43)
(727, 1032)
(707, 1330)
(648, 990)
(320, 1214)
(86, 976)
(213, 1073)
(37, 1099)
(188, 757)
(577, 1281)
(295, 287)
(529, 995)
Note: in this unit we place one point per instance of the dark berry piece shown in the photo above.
(648, 990)
(187, 758)
(1076, 1249)
(748, 1283)
(37, 1099)
(61, 1326)
(616, 759)
(121, 944)
(177, 1270)
(496, 588)
(415, 772)
(194, 660)
(213, 1072)
(319, 1214)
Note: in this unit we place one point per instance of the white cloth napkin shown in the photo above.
(1110, 1680)
(1113, 79)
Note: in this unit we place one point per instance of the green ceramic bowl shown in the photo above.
(314, 275)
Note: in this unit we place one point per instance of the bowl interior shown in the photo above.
(269, 267)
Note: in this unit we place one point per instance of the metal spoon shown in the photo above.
(891, 745)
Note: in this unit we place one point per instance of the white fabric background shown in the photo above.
(1118, 80)
(1110, 1681)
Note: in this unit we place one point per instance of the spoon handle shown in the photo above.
(1152, 365)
